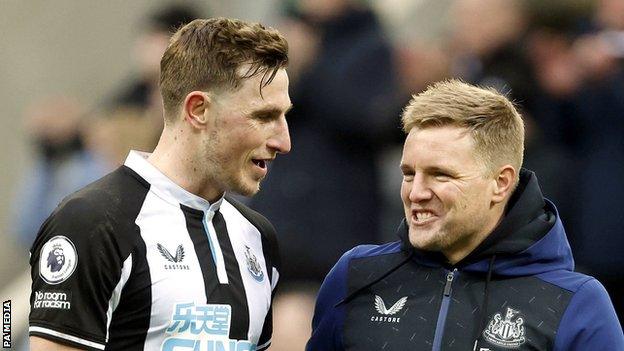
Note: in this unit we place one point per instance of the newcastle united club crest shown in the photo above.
(253, 266)
(507, 332)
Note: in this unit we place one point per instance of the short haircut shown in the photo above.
(492, 119)
(209, 54)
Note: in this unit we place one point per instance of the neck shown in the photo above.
(463, 248)
(172, 157)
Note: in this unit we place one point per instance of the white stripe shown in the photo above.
(66, 337)
(114, 300)
(258, 293)
(274, 278)
(263, 346)
(159, 223)
(214, 245)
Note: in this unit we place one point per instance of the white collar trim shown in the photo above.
(166, 188)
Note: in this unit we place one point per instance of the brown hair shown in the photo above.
(493, 121)
(209, 53)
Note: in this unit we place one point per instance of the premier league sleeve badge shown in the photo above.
(58, 260)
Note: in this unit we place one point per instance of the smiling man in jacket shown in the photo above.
(483, 262)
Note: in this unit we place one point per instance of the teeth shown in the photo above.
(421, 216)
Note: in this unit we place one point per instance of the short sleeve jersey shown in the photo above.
(135, 262)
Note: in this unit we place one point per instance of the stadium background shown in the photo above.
(69, 58)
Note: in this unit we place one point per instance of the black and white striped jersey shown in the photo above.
(135, 262)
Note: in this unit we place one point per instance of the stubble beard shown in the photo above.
(447, 237)
(234, 177)
(221, 171)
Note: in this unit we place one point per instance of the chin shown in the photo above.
(247, 189)
(428, 243)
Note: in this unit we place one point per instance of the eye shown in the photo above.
(408, 176)
(264, 116)
(442, 176)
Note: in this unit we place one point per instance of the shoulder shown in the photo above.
(589, 320)
(564, 279)
(104, 210)
(371, 251)
(117, 192)
(369, 255)
(266, 229)
(256, 219)
(260, 223)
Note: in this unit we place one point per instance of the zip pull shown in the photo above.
(449, 281)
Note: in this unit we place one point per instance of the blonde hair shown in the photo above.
(209, 54)
(492, 120)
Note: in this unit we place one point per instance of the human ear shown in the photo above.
(504, 180)
(196, 106)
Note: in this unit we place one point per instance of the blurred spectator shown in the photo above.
(323, 198)
(600, 106)
(579, 107)
(113, 135)
(142, 91)
(61, 164)
(487, 44)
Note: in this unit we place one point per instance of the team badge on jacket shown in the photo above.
(57, 260)
(507, 332)
(252, 265)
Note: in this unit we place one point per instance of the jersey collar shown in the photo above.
(164, 187)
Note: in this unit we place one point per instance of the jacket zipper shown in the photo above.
(446, 300)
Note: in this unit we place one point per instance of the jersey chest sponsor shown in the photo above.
(202, 327)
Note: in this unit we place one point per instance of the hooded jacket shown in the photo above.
(516, 291)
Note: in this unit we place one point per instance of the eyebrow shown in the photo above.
(407, 168)
(271, 111)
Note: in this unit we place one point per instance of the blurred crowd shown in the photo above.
(351, 72)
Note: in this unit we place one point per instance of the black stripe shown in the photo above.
(267, 327)
(130, 321)
(233, 293)
(136, 305)
(199, 237)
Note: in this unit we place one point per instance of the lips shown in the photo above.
(260, 163)
(423, 216)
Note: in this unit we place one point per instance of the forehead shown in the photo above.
(249, 97)
(438, 146)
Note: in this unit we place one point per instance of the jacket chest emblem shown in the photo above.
(385, 312)
(506, 332)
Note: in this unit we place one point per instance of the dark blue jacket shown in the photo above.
(516, 291)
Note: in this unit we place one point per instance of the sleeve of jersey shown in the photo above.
(328, 320)
(77, 275)
(590, 322)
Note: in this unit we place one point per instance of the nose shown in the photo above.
(280, 141)
(420, 191)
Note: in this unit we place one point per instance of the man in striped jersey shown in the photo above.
(155, 255)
